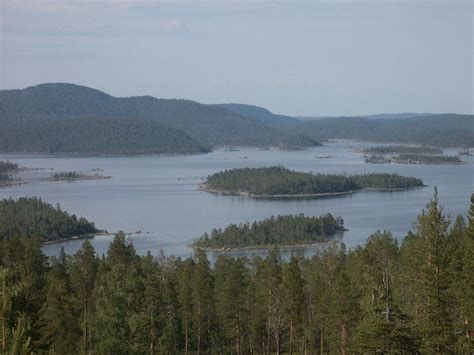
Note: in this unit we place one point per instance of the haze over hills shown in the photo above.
(208, 125)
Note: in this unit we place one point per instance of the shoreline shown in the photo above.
(100, 233)
(203, 187)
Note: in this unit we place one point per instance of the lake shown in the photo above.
(158, 195)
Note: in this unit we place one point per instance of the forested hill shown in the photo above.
(21, 110)
(260, 113)
(444, 130)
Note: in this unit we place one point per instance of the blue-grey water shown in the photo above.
(158, 195)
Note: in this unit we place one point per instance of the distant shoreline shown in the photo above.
(100, 233)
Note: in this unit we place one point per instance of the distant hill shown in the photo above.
(259, 113)
(444, 130)
(155, 124)
(104, 135)
(376, 116)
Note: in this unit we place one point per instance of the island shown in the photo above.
(76, 176)
(286, 231)
(402, 149)
(408, 155)
(426, 159)
(7, 170)
(278, 181)
(31, 217)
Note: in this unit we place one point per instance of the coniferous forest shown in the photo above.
(383, 297)
(273, 181)
(31, 217)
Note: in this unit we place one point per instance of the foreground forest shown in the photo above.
(279, 181)
(379, 298)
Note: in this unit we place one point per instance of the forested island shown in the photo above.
(76, 176)
(383, 297)
(31, 217)
(426, 159)
(402, 149)
(7, 169)
(289, 230)
(408, 155)
(281, 182)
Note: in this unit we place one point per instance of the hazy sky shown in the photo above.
(294, 57)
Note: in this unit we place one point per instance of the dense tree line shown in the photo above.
(31, 217)
(75, 175)
(379, 298)
(426, 159)
(282, 230)
(104, 135)
(446, 130)
(282, 181)
(72, 118)
(402, 149)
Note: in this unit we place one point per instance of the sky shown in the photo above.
(303, 58)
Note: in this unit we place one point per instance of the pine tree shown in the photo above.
(83, 278)
(202, 301)
(60, 322)
(293, 304)
(436, 322)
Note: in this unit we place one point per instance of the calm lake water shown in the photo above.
(159, 196)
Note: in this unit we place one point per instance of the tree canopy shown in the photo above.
(274, 181)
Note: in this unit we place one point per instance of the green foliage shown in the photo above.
(32, 217)
(282, 230)
(378, 298)
(273, 181)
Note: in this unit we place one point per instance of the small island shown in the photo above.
(7, 171)
(31, 217)
(276, 182)
(408, 155)
(402, 149)
(426, 159)
(282, 231)
(76, 176)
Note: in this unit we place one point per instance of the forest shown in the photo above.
(281, 181)
(274, 231)
(382, 297)
(31, 217)
(402, 149)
